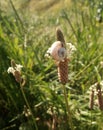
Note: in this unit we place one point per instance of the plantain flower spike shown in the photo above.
(63, 64)
(61, 52)
(15, 70)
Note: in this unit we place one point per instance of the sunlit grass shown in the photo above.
(25, 37)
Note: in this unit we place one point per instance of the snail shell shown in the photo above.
(57, 51)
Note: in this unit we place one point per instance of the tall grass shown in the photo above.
(26, 39)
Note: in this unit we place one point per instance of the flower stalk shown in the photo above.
(28, 106)
(63, 76)
(15, 70)
(60, 53)
(69, 115)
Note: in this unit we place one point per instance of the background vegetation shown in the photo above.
(27, 30)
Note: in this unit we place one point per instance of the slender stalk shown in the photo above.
(67, 108)
(26, 101)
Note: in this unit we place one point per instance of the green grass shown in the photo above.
(25, 36)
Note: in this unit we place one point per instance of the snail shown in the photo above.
(57, 51)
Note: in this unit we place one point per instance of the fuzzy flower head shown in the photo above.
(18, 67)
(15, 70)
(70, 49)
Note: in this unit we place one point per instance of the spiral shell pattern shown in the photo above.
(58, 52)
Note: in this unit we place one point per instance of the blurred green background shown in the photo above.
(27, 30)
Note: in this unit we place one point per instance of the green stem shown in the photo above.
(68, 109)
(24, 96)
